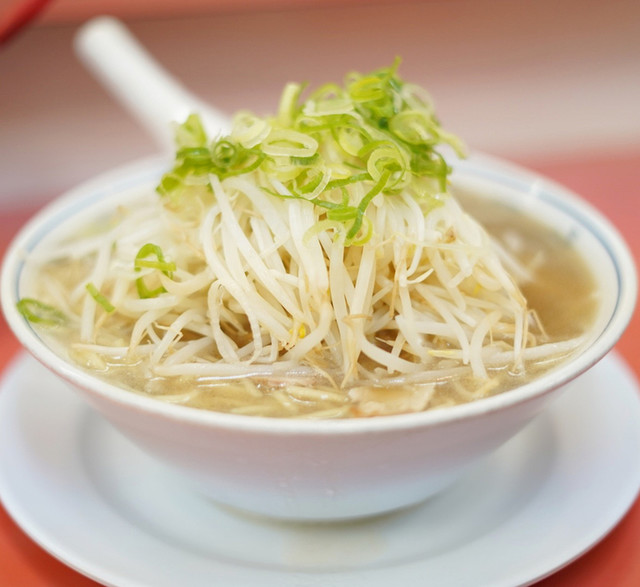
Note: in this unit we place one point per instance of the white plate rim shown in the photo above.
(16, 500)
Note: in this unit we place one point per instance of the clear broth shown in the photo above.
(562, 293)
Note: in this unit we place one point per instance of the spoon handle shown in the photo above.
(130, 73)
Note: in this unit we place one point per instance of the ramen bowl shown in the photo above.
(333, 469)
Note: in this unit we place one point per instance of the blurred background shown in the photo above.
(533, 80)
(551, 84)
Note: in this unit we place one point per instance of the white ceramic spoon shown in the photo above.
(149, 92)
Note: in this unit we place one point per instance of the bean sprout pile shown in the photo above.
(321, 242)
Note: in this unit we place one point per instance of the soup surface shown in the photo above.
(313, 263)
(560, 292)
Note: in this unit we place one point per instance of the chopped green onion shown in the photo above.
(144, 292)
(289, 103)
(166, 268)
(142, 261)
(289, 143)
(191, 133)
(99, 298)
(305, 160)
(338, 183)
(373, 135)
(374, 191)
(312, 184)
(169, 184)
(151, 250)
(40, 313)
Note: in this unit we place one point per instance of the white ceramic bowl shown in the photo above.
(347, 468)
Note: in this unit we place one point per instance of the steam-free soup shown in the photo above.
(560, 292)
(315, 264)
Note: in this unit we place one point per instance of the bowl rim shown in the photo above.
(483, 166)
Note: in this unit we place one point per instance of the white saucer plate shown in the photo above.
(99, 504)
